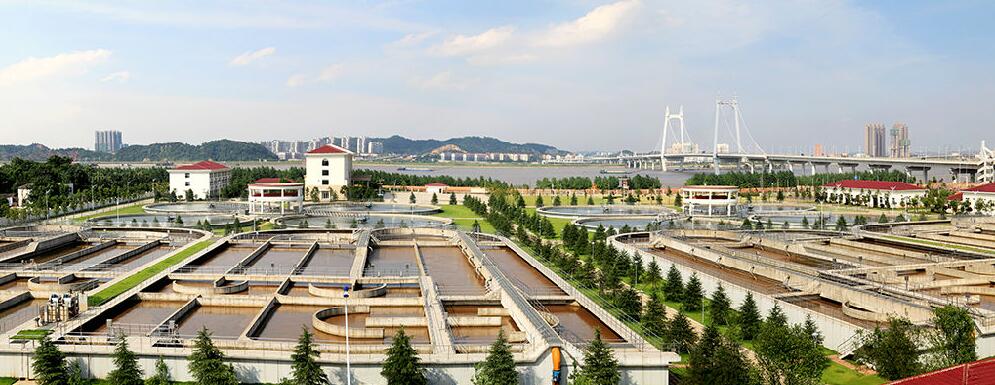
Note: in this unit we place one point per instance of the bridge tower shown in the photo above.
(679, 116)
(730, 105)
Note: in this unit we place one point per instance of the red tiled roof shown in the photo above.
(203, 165)
(329, 149)
(437, 185)
(873, 185)
(956, 197)
(273, 180)
(972, 373)
(988, 188)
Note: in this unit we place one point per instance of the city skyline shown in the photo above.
(525, 72)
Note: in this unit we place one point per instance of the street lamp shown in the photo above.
(348, 365)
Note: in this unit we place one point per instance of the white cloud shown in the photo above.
(595, 25)
(443, 81)
(251, 56)
(500, 59)
(463, 44)
(119, 77)
(330, 73)
(32, 68)
(296, 80)
(411, 39)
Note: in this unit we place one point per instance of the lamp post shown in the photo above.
(348, 365)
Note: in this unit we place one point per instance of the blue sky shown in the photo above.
(576, 74)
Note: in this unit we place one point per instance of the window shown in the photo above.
(324, 181)
(186, 183)
(324, 162)
(324, 172)
(324, 195)
(186, 175)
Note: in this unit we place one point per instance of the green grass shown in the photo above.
(128, 210)
(941, 244)
(7, 380)
(463, 218)
(30, 334)
(837, 374)
(128, 283)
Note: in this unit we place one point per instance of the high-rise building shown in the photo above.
(817, 151)
(900, 144)
(374, 148)
(874, 140)
(361, 145)
(107, 141)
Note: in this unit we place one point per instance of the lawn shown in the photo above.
(126, 284)
(133, 209)
(7, 380)
(463, 218)
(837, 374)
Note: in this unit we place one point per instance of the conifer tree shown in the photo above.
(718, 310)
(402, 364)
(499, 366)
(435, 199)
(161, 376)
(206, 363)
(692, 298)
(126, 370)
(749, 318)
(49, 363)
(600, 366)
(680, 334)
(452, 199)
(674, 287)
(654, 319)
(304, 367)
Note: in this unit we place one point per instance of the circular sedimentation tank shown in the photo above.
(370, 207)
(604, 211)
(777, 209)
(166, 220)
(370, 220)
(197, 207)
(641, 223)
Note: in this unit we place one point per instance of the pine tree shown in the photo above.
(812, 330)
(692, 298)
(452, 199)
(556, 200)
(700, 363)
(718, 310)
(206, 363)
(749, 318)
(680, 334)
(49, 363)
(590, 201)
(573, 199)
(74, 373)
(652, 275)
(600, 366)
(126, 370)
(401, 366)
(654, 319)
(673, 289)
(304, 369)
(435, 199)
(161, 376)
(499, 366)
(539, 202)
(412, 199)
(776, 317)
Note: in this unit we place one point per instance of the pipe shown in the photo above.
(556, 366)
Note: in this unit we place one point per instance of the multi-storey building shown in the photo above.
(107, 141)
(327, 168)
(203, 179)
(900, 144)
(874, 140)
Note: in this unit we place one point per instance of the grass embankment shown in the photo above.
(835, 374)
(463, 218)
(128, 210)
(30, 334)
(942, 244)
(130, 282)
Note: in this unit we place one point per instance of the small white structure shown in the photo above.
(267, 193)
(985, 193)
(327, 168)
(873, 193)
(710, 200)
(205, 179)
(24, 193)
(436, 188)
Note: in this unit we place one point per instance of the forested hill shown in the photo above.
(401, 145)
(219, 150)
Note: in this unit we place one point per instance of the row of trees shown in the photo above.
(903, 349)
(789, 179)
(400, 179)
(637, 182)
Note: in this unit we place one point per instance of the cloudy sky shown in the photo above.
(573, 73)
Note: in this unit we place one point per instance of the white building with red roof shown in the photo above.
(327, 169)
(873, 193)
(269, 194)
(984, 193)
(204, 179)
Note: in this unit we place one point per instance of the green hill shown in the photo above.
(400, 145)
(219, 150)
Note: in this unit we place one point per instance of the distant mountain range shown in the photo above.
(229, 150)
(220, 150)
(400, 145)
